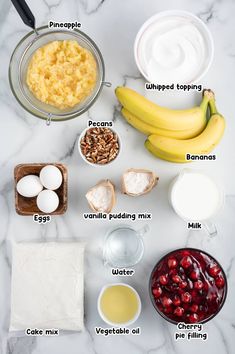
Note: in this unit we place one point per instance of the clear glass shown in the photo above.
(208, 225)
(18, 68)
(124, 246)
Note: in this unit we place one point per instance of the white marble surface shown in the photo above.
(23, 138)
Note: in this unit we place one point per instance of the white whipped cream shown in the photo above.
(173, 49)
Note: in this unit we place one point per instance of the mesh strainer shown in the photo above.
(20, 59)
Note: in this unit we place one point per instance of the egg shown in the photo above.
(51, 177)
(29, 186)
(47, 201)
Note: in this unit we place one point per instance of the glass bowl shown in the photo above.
(188, 285)
(18, 69)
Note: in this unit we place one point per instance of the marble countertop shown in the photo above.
(23, 138)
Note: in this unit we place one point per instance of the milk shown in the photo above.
(195, 196)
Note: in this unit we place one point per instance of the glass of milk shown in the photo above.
(196, 198)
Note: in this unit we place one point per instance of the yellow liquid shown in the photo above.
(119, 304)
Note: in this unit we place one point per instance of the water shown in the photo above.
(123, 247)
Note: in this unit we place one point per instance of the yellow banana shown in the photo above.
(175, 150)
(148, 129)
(161, 117)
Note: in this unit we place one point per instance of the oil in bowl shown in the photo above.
(119, 304)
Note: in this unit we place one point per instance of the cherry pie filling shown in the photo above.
(188, 286)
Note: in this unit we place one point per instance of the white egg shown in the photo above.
(29, 186)
(51, 177)
(47, 201)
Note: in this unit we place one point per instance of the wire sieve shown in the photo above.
(20, 59)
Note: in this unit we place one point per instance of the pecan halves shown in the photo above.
(100, 145)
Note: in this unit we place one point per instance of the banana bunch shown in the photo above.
(172, 134)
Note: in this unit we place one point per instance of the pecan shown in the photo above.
(102, 162)
(100, 145)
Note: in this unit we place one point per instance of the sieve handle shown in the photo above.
(24, 12)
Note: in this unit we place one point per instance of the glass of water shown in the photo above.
(124, 246)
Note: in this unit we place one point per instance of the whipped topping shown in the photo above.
(173, 49)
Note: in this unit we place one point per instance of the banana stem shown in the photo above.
(212, 106)
(209, 94)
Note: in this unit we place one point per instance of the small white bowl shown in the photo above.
(193, 18)
(83, 133)
(129, 323)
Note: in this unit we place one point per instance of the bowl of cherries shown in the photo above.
(188, 285)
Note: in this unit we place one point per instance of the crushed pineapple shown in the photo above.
(62, 74)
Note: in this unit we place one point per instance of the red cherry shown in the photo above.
(183, 285)
(194, 294)
(157, 292)
(194, 274)
(167, 309)
(214, 270)
(172, 272)
(176, 279)
(166, 301)
(194, 308)
(186, 307)
(179, 311)
(163, 279)
(172, 263)
(180, 291)
(186, 297)
(193, 318)
(198, 285)
(176, 300)
(219, 281)
(186, 262)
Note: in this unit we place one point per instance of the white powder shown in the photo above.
(100, 197)
(47, 286)
(195, 196)
(137, 182)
